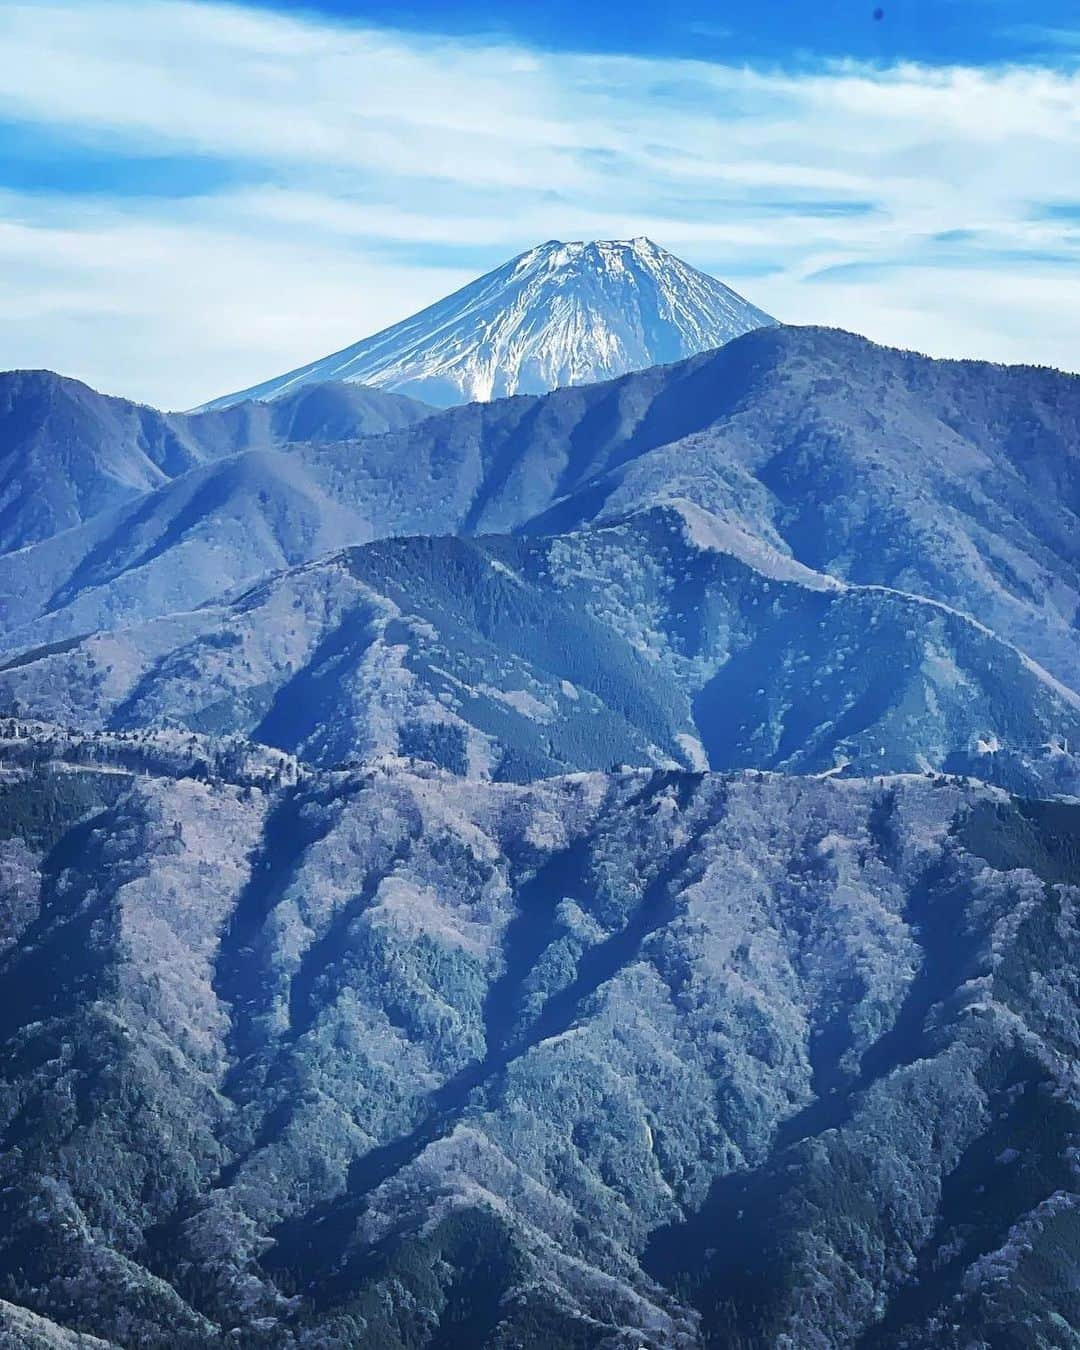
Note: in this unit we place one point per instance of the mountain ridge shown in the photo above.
(645, 641)
(68, 453)
(956, 481)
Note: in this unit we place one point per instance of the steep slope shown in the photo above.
(68, 453)
(559, 314)
(654, 1059)
(667, 639)
(959, 481)
(21, 1329)
(221, 525)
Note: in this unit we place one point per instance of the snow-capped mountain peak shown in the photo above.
(562, 313)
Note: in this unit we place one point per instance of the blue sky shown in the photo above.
(196, 195)
(791, 33)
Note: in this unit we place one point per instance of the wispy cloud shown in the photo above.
(1045, 37)
(330, 178)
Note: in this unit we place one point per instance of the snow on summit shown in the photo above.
(559, 314)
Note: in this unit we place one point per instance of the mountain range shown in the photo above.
(597, 868)
(957, 481)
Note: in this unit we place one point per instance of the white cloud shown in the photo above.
(172, 311)
(380, 169)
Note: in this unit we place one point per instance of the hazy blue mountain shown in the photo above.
(955, 480)
(559, 314)
(225, 523)
(68, 453)
(958, 481)
(321, 411)
(397, 1059)
(667, 639)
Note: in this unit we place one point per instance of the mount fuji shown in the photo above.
(559, 314)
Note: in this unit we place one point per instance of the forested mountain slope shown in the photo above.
(665, 639)
(659, 1059)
